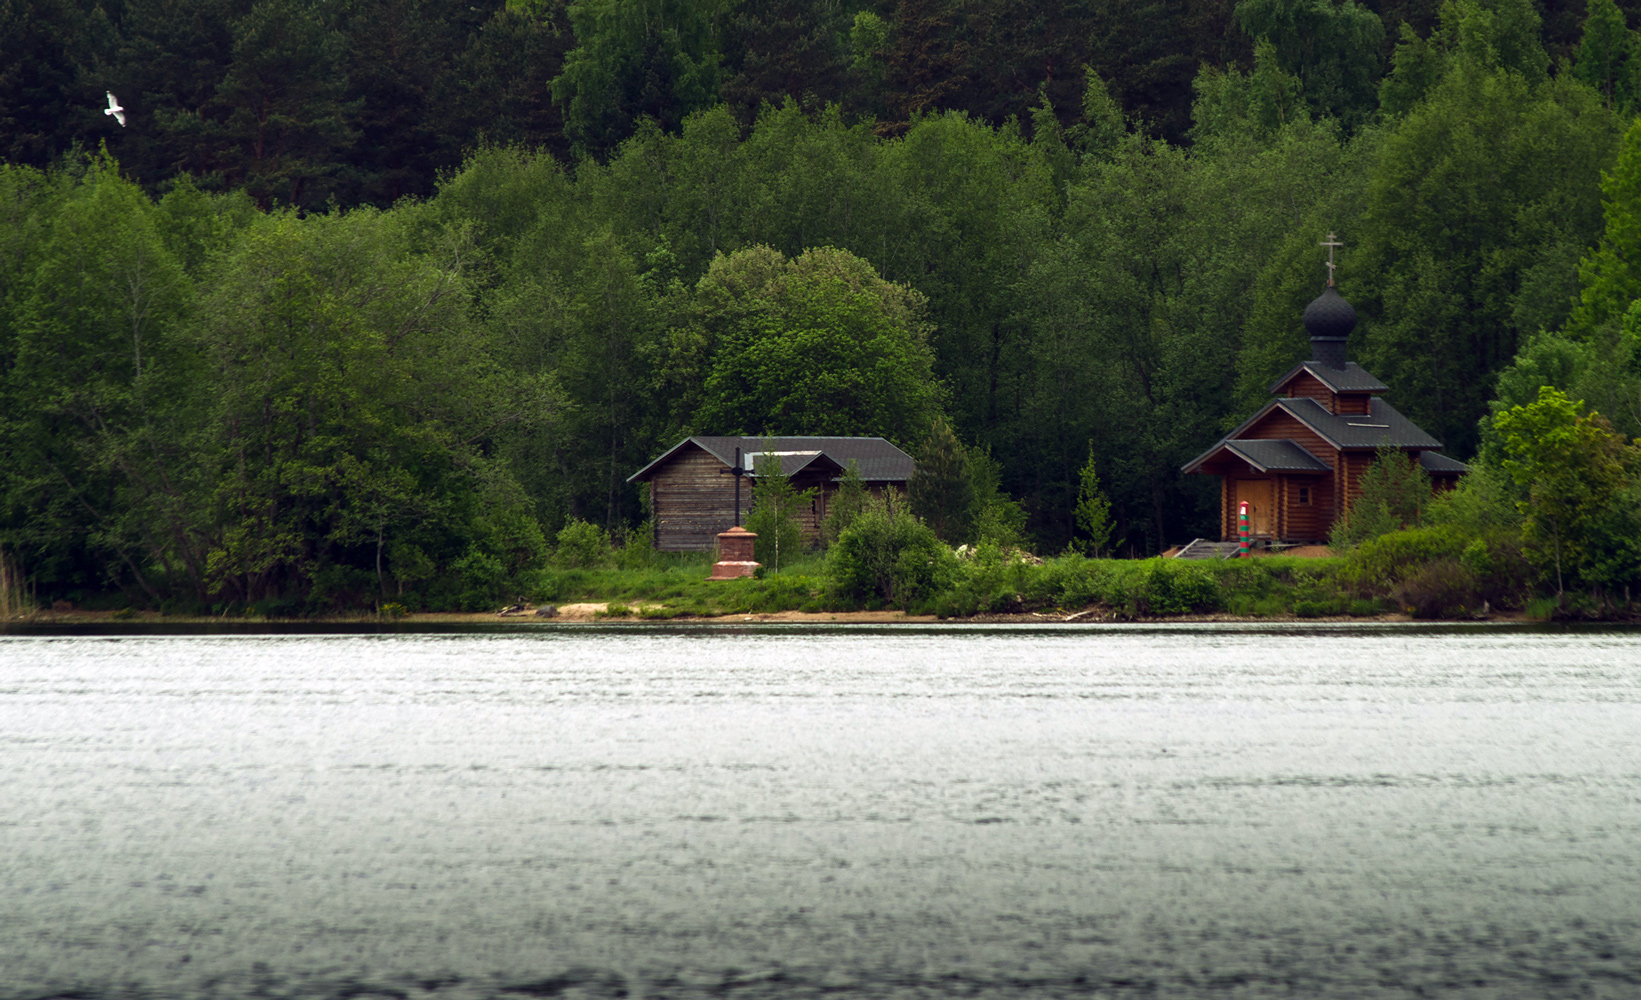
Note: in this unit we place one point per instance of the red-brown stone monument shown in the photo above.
(734, 554)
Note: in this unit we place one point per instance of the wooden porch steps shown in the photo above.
(1202, 548)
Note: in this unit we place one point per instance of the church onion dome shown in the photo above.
(1329, 316)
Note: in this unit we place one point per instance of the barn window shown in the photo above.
(1304, 494)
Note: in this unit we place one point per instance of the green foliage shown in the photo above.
(775, 503)
(581, 546)
(888, 555)
(996, 518)
(1093, 510)
(1574, 469)
(1331, 48)
(634, 61)
(1377, 566)
(1604, 60)
(816, 344)
(1395, 493)
(845, 505)
(941, 492)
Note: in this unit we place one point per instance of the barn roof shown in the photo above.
(1351, 378)
(878, 460)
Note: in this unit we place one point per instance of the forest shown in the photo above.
(375, 300)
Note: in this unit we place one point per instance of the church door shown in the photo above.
(1257, 494)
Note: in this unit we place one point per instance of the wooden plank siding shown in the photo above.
(693, 501)
(1307, 521)
(1308, 386)
(1279, 424)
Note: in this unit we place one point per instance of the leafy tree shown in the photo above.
(1417, 65)
(283, 122)
(998, 519)
(97, 386)
(1604, 56)
(941, 491)
(775, 502)
(654, 59)
(816, 344)
(1467, 232)
(351, 406)
(779, 49)
(1611, 274)
(1334, 48)
(1573, 468)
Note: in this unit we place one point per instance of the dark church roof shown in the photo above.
(1381, 427)
(1266, 456)
(1435, 463)
(1351, 378)
(878, 460)
(1329, 316)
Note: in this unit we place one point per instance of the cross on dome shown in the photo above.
(1331, 242)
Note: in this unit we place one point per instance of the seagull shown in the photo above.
(115, 109)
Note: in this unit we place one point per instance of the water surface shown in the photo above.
(794, 812)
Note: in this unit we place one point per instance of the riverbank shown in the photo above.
(600, 613)
(991, 588)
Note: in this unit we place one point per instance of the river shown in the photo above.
(945, 811)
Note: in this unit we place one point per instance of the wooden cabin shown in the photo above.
(1299, 461)
(692, 485)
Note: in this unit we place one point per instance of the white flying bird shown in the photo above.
(115, 109)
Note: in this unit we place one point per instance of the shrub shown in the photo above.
(1376, 567)
(991, 581)
(1440, 589)
(888, 554)
(581, 545)
(1169, 587)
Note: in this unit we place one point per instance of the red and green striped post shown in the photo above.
(1242, 530)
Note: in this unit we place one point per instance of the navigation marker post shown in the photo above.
(1242, 530)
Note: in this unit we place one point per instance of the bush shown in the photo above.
(992, 581)
(1440, 589)
(581, 546)
(887, 554)
(1170, 587)
(1377, 567)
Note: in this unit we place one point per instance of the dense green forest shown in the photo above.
(371, 299)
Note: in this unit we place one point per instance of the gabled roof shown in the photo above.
(1381, 427)
(878, 460)
(1351, 378)
(1434, 462)
(1266, 456)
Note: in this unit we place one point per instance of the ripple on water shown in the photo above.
(941, 812)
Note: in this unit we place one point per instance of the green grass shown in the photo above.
(676, 584)
(663, 586)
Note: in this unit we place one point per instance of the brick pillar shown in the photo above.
(734, 554)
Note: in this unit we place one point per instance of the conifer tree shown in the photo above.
(1093, 509)
(942, 492)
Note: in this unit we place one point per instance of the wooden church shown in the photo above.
(1299, 461)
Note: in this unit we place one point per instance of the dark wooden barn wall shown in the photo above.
(693, 502)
